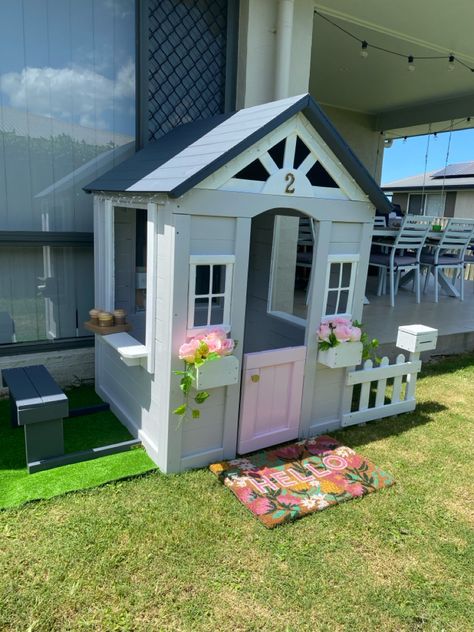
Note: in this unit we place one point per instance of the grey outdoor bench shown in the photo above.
(39, 405)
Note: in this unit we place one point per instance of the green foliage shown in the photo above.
(188, 379)
(369, 345)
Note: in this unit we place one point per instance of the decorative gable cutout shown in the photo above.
(293, 160)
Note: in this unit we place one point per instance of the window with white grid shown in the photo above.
(340, 282)
(210, 290)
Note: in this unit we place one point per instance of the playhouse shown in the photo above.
(259, 221)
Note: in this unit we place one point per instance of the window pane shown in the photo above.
(415, 204)
(45, 293)
(346, 274)
(65, 119)
(200, 312)
(217, 311)
(343, 298)
(202, 280)
(218, 279)
(334, 275)
(331, 303)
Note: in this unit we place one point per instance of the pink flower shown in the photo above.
(189, 351)
(227, 346)
(260, 506)
(356, 333)
(341, 320)
(218, 332)
(343, 332)
(213, 342)
(324, 332)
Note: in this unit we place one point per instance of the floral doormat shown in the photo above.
(282, 484)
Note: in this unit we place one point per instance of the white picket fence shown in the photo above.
(401, 394)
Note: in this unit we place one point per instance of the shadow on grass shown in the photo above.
(440, 365)
(390, 426)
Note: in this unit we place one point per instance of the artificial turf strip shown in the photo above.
(80, 433)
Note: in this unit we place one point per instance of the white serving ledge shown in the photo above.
(131, 352)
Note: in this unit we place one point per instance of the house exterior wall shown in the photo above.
(402, 199)
(464, 204)
(357, 129)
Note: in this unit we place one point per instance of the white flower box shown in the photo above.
(221, 372)
(345, 354)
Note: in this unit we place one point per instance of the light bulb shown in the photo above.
(451, 63)
(363, 51)
(411, 63)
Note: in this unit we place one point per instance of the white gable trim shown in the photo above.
(298, 125)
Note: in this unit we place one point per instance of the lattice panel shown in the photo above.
(187, 61)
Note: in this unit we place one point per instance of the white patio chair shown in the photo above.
(449, 253)
(380, 222)
(402, 255)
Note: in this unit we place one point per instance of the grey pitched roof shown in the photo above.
(181, 159)
(456, 176)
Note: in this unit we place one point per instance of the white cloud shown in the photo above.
(76, 93)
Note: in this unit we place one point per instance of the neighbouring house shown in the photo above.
(447, 192)
(226, 202)
(86, 83)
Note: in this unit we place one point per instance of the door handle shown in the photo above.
(255, 378)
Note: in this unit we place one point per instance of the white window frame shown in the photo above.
(424, 201)
(210, 260)
(352, 259)
(132, 351)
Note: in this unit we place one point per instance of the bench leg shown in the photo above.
(44, 440)
(13, 413)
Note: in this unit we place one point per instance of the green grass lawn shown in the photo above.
(180, 553)
(80, 433)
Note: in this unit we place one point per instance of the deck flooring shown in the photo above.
(451, 316)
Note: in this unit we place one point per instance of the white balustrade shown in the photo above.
(400, 396)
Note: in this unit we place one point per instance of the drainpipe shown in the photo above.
(284, 35)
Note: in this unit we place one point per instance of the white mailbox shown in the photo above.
(417, 338)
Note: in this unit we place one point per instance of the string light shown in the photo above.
(364, 53)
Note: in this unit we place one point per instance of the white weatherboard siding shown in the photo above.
(211, 146)
(464, 204)
(212, 437)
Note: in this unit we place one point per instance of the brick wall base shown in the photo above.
(70, 367)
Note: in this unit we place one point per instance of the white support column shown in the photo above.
(275, 42)
(284, 39)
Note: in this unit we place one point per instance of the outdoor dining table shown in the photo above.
(434, 236)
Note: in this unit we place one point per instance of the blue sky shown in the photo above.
(407, 158)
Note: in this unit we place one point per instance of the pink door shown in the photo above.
(272, 386)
